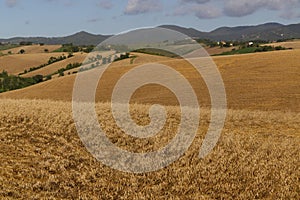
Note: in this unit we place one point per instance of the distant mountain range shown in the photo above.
(268, 32)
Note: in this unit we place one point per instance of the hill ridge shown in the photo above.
(269, 32)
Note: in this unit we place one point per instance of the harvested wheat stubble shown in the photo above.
(41, 156)
(32, 49)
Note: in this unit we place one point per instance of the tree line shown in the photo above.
(12, 82)
(50, 61)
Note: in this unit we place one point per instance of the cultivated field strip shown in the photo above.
(17, 63)
(48, 70)
(32, 49)
(41, 156)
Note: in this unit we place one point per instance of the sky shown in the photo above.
(54, 18)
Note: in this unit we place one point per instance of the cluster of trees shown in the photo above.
(253, 49)
(122, 57)
(241, 47)
(68, 67)
(92, 66)
(106, 60)
(157, 52)
(73, 48)
(22, 51)
(60, 58)
(69, 48)
(117, 48)
(25, 43)
(87, 49)
(261, 48)
(11, 82)
(269, 48)
(93, 59)
(242, 44)
(207, 42)
(98, 60)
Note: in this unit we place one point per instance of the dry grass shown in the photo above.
(33, 49)
(264, 81)
(15, 64)
(217, 50)
(257, 156)
(290, 44)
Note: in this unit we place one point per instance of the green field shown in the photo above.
(8, 46)
(256, 49)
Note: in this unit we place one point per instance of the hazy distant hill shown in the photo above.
(187, 31)
(81, 38)
(269, 32)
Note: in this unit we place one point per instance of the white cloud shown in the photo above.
(207, 12)
(105, 4)
(94, 20)
(200, 10)
(287, 9)
(11, 3)
(234, 8)
(238, 8)
(135, 7)
(195, 1)
(66, 3)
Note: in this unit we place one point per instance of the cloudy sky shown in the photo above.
(64, 17)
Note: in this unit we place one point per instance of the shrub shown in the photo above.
(48, 77)
(38, 78)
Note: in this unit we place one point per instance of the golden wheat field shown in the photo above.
(256, 157)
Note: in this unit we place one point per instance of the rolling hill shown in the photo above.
(261, 81)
